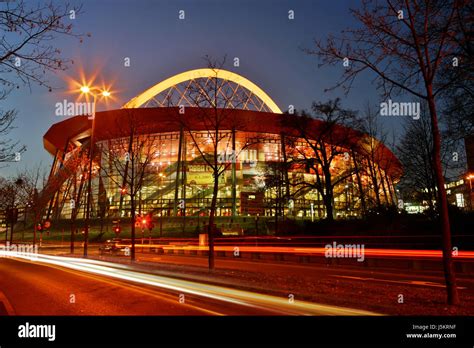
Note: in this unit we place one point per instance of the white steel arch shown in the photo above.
(150, 93)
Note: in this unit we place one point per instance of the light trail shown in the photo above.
(278, 305)
(406, 253)
(410, 282)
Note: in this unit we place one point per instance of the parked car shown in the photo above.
(112, 246)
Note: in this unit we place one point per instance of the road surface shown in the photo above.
(52, 285)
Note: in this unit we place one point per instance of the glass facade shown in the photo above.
(254, 178)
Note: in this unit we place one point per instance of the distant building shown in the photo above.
(458, 194)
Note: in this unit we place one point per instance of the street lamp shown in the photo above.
(95, 92)
(85, 89)
(104, 93)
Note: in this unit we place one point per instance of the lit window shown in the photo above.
(460, 200)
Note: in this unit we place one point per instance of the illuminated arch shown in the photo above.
(190, 75)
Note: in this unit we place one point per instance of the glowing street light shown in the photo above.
(95, 92)
(88, 90)
(92, 91)
(85, 89)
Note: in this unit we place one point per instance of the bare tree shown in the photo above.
(9, 149)
(404, 43)
(130, 157)
(19, 192)
(215, 101)
(328, 142)
(371, 148)
(458, 96)
(415, 151)
(29, 183)
(276, 181)
(27, 53)
(78, 182)
(9, 200)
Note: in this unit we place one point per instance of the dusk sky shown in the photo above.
(171, 190)
(160, 45)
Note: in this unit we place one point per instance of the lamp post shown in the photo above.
(256, 224)
(86, 90)
(161, 176)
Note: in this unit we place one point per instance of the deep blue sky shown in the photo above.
(160, 45)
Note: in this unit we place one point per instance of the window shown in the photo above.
(460, 200)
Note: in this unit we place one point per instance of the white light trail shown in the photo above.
(279, 305)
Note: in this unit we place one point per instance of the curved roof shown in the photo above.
(69, 130)
(145, 96)
(113, 124)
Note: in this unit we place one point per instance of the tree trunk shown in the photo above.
(390, 190)
(450, 277)
(12, 225)
(431, 197)
(373, 176)
(276, 217)
(210, 230)
(328, 195)
(73, 228)
(327, 199)
(382, 182)
(285, 169)
(178, 170)
(34, 230)
(132, 207)
(359, 184)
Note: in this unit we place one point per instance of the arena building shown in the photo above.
(180, 182)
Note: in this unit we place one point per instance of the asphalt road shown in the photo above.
(416, 278)
(419, 278)
(63, 286)
(33, 289)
